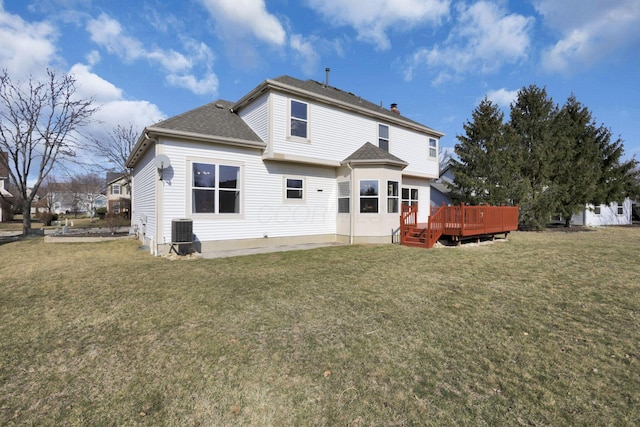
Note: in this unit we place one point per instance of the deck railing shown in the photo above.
(460, 221)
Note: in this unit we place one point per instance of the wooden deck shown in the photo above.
(456, 222)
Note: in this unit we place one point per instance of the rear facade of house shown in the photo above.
(291, 162)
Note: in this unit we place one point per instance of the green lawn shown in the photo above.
(542, 329)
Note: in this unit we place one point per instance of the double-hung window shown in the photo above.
(620, 209)
(383, 137)
(115, 189)
(596, 210)
(344, 199)
(215, 188)
(299, 119)
(294, 189)
(433, 148)
(369, 196)
(392, 196)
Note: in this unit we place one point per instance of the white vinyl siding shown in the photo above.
(264, 211)
(256, 115)
(143, 214)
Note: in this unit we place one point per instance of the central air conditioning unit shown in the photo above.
(181, 231)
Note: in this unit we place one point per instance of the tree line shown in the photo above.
(548, 159)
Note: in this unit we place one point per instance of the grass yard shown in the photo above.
(542, 329)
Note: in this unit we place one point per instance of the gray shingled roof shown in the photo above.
(370, 153)
(340, 95)
(213, 119)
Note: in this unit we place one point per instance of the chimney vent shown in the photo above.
(326, 79)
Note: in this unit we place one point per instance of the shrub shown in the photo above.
(113, 221)
(101, 212)
(47, 218)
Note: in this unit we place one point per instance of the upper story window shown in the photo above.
(383, 137)
(369, 196)
(294, 188)
(596, 210)
(433, 147)
(299, 119)
(215, 188)
(115, 189)
(620, 209)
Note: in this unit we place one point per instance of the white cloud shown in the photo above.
(484, 38)
(590, 31)
(180, 68)
(26, 48)
(372, 19)
(305, 52)
(206, 85)
(246, 16)
(502, 97)
(114, 109)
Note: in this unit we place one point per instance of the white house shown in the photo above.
(606, 214)
(291, 162)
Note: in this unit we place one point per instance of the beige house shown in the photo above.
(118, 194)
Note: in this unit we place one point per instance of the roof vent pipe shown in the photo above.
(326, 79)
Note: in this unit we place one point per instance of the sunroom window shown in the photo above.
(369, 196)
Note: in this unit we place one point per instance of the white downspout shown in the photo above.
(352, 203)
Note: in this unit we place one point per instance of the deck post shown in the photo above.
(462, 218)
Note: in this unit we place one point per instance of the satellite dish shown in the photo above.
(162, 161)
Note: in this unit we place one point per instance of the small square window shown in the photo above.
(295, 188)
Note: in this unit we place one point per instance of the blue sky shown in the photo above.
(145, 60)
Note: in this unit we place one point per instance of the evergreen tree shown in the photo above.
(532, 127)
(576, 164)
(483, 166)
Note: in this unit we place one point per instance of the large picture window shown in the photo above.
(215, 188)
(369, 196)
(392, 197)
(299, 119)
(383, 137)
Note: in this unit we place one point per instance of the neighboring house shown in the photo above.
(606, 214)
(440, 191)
(118, 194)
(60, 200)
(291, 162)
(6, 198)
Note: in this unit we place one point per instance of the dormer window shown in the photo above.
(299, 119)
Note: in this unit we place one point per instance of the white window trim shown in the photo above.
(398, 197)
(293, 137)
(388, 139)
(347, 197)
(435, 156)
(409, 187)
(113, 189)
(189, 188)
(285, 199)
(360, 196)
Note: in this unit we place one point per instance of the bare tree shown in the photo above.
(115, 149)
(39, 124)
(85, 189)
